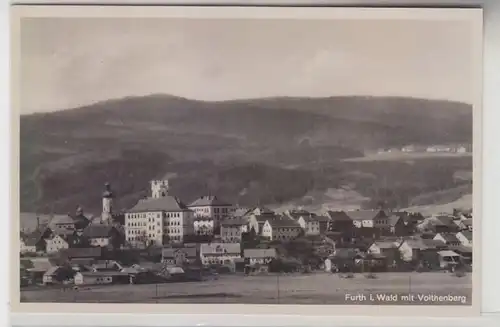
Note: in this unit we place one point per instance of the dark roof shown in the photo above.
(446, 220)
(282, 221)
(234, 222)
(240, 212)
(97, 231)
(339, 216)
(83, 252)
(467, 234)
(259, 253)
(210, 200)
(363, 214)
(165, 203)
(394, 219)
(345, 253)
(467, 222)
(170, 252)
(450, 238)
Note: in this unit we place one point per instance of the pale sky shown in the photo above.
(67, 63)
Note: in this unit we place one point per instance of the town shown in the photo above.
(161, 240)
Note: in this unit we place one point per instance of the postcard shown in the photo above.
(313, 161)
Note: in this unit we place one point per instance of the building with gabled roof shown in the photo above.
(448, 238)
(159, 219)
(220, 253)
(368, 218)
(465, 237)
(104, 235)
(212, 207)
(281, 228)
(231, 230)
(259, 256)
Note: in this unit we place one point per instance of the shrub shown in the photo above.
(349, 275)
(460, 273)
(371, 276)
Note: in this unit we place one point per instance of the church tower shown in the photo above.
(159, 188)
(107, 204)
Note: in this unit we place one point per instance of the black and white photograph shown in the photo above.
(229, 160)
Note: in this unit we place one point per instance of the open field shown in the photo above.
(404, 156)
(318, 288)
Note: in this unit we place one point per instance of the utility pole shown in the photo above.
(278, 279)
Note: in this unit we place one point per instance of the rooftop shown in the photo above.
(220, 248)
(259, 253)
(234, 222)
(467, 234)
(209, 200)
(363, 214)
(339, 216)
(97, 231)
(165, 203)
(170, 252)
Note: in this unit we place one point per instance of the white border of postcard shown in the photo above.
(475, 16)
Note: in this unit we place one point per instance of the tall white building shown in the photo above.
(159, 219)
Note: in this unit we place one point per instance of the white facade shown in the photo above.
(464, 240)
(219, 253)
(99, 241)
(151, 227)
(210, 207)
(310, 227)
(56, 244)
(367, 223)
(24, 248)
(107, 209)
(232, 232)
(203, 226)
(279, 232)
(159, 188)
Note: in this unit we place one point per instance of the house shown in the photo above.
(57, 243)
(369, 218)
(441, 224)
(159, 219)
(448, 259)
(56, 275)
(447, 238)
(179, 256)
(219, 253)
(387, 249)
(232, 229)
(211, 207)
(257, 221)
(102, 235)
(339, 221)
(345, 259)
(465, 238)
(414, 248)
(281, 228)
(259, 256)
(28, 245)
(403, 223)
(464, 224)
(311, 223)
(106, 265)
(101, 277)
(70, 222)
(83, 253)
